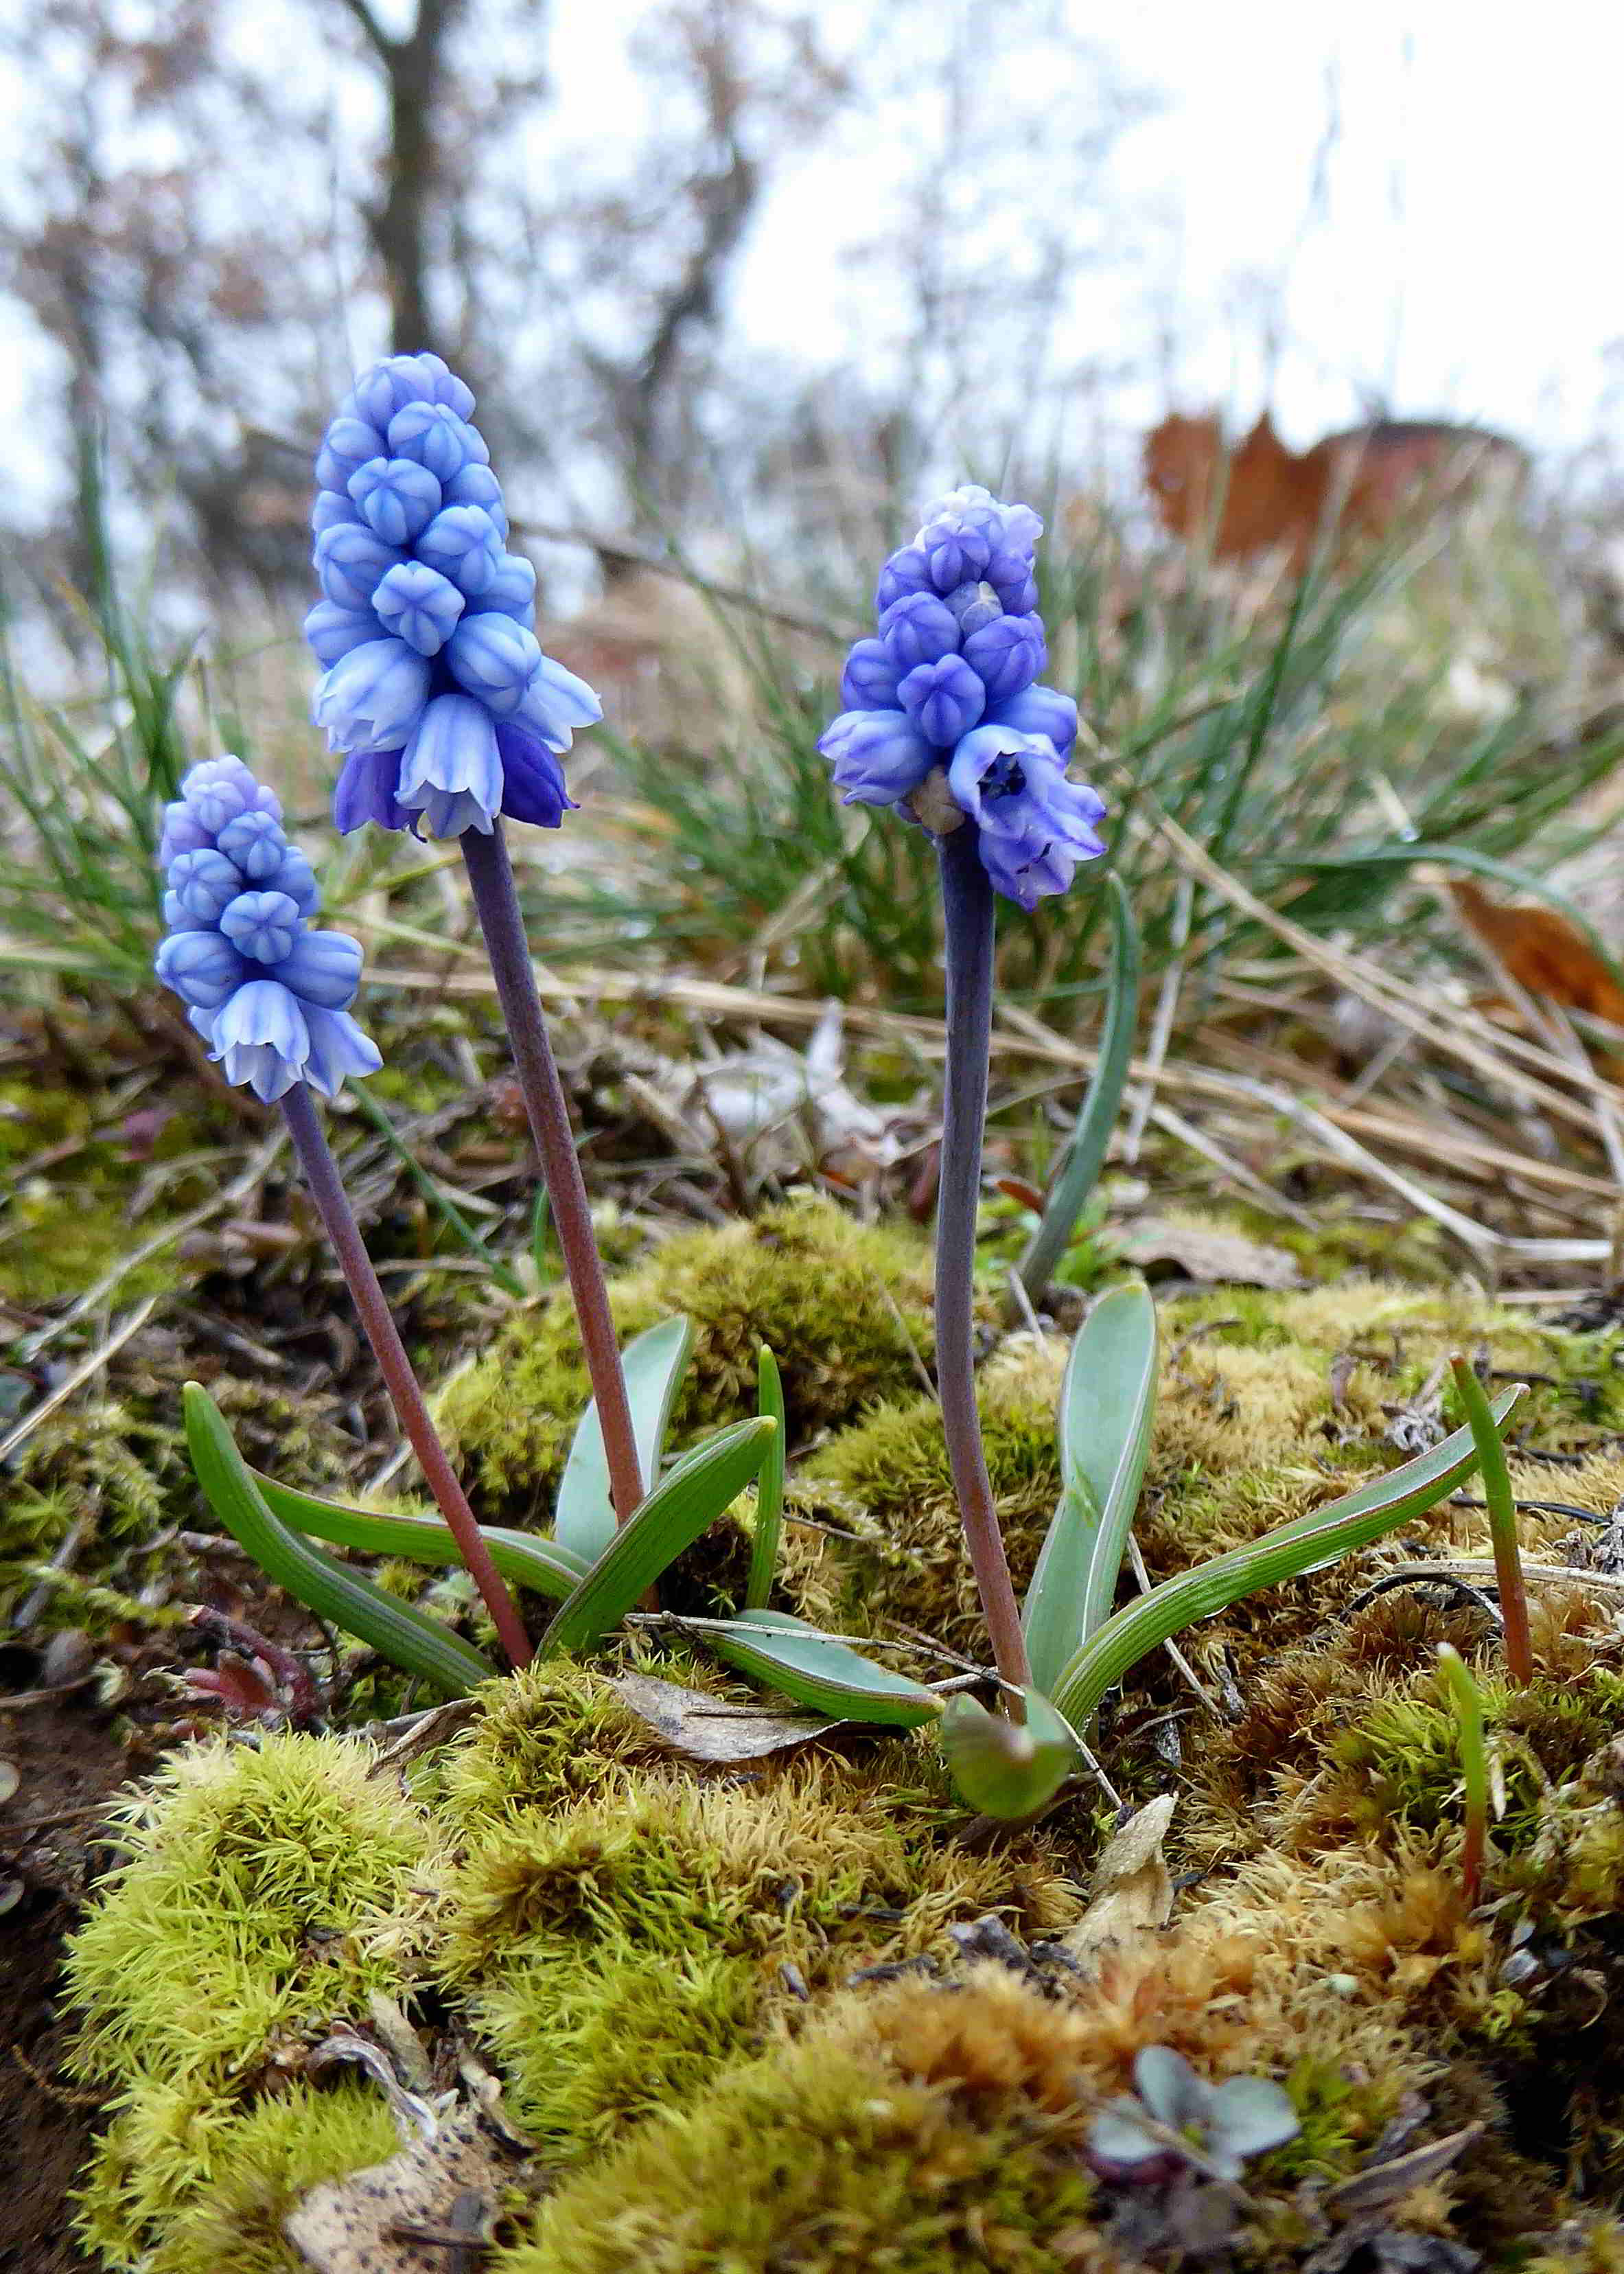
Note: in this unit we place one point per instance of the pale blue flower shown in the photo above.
(880, 757)
(919, 629)
(260, 1039)
(201, 967)
(397, 497)
(869, 681)
(512, 590)
(332, 632)
(200, 885)
(434, 435)
(416, 604)
(351, 561)
(464, 544)
(374, 696)
(451, 771)
(556, 703)
(262, 926)
(495, 659)
(944, 699)
(1035, 826)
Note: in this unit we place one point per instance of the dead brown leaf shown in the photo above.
(1217, 1258)
(1381, 2184)
(1542, 950)
(1132, 1893)
(709, 1728)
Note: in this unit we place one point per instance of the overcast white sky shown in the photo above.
(1461, 256)
(1464, 257)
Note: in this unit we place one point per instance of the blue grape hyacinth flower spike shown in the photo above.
(269, 994)
(433, 690)
(944, 717)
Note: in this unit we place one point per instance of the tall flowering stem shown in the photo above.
(271, 997)
(450, 722)
(490, 875)
(968, 919)
(327, 1189)
(944, 721)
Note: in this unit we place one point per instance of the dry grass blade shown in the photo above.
(85, 1371)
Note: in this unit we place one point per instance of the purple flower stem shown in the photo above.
(490, 874)
(967, 908)
(333, 1205)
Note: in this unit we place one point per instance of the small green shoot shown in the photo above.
(654, 1362)
(817, 1669)
(520, 1556)
(1467, 1699)
(1503, 1521)
(1106, 1404)
(1008, 1769)
(1085, 1156)
(769, 1484)
(686, 1502)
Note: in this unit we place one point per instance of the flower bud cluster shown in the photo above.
(434, 689)
(269, 996)
(949, 688)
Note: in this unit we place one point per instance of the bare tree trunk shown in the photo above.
(414, 68)
(726, 200)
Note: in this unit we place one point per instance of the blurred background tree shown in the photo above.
(223, 209)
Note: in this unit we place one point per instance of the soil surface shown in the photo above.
(70, 1761)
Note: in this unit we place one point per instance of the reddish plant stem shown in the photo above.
(490, 874)
(378, 1323)
(1502, 1509)
(968, 917)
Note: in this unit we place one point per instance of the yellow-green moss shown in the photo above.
(618, 1950)
(267, 1889)
(62, 1226)
(252, 2167)
(885, 1486)
(839, 1303)
(106, 1461)
(831, 2158)
(554, 1734)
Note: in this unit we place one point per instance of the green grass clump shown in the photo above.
(266, 1890)
(837, 1302)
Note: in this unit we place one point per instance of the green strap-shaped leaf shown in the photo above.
(687, 1499)
(654, 1363)
(768, 1486)
(1311, 1540)
(815, 1669)
(1108, 1401)
(420, 1645)
(541, 1564)
(1085, 1156)
(1007, 1769)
